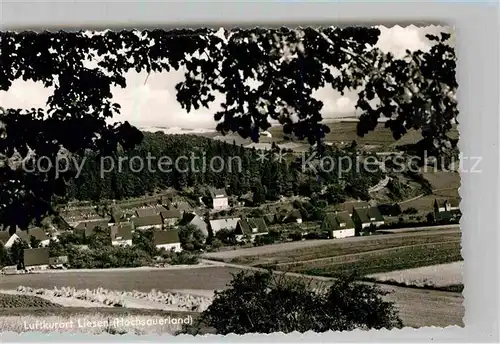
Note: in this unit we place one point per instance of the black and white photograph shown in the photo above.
(230, 180)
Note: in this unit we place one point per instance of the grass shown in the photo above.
(339, 248)
(23, 301)
(142, 280)
(385, 261)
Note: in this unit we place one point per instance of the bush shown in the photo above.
(263, 303)
(410, 211)
(180, 258)
(191, 238)
(295, 236)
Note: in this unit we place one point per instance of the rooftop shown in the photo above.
(166, 237)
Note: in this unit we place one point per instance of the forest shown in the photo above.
(271, 177)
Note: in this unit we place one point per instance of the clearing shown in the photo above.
(441, 275)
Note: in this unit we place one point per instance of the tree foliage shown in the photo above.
(285, 65)
(262, 303)
(191, 238)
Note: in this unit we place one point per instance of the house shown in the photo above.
(153, 221)
(149, 211)
(40, 235)
(218, 199)
(339, 225)
(251, 227)
(36, 257)
(365, 217)
(269, 219)
(447, 216)
(219, 224)
(8, 240)
(350, 206)
(87, 228)
(195, 220)
(121, 234)
(170, 217)
(183, 207)
(168, 239)
(446, 205)
(293, 216)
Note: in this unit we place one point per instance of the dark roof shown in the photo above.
(123, 231)
(171, 214)
(365, 215)
(92, 224)
(38, 233)
(23, 235)
(217, 193)
(183, 206)
(334, 221)
(147, 212)
(294, 214)
(246, 226)
(166, 237)
(87, 228)
(153, 220)
(36, 256)
(350, 206)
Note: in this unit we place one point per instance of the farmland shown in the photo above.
(405, 257)
(23, 301)
(339, 248)
(311, 249)
(133, 279)
(435, 275)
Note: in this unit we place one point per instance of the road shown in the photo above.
(289, 246)
(417, 307)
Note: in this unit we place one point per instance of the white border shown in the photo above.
(478, 41)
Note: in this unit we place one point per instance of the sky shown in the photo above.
(154, 104)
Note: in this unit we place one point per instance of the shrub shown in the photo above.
(263, 303)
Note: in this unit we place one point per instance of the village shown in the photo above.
(215, 216)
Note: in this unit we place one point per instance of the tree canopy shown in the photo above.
(263, 74)
(259, 302)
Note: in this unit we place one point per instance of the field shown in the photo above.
(140, 280)
(436, 275)
(338, 248)
(310, 249)
(381, 260)
(23, 301)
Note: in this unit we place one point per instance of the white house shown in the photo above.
(167, 239)
(339, 225)
(219, 199)
(8, 240)
(440, 206)
(219, 224)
